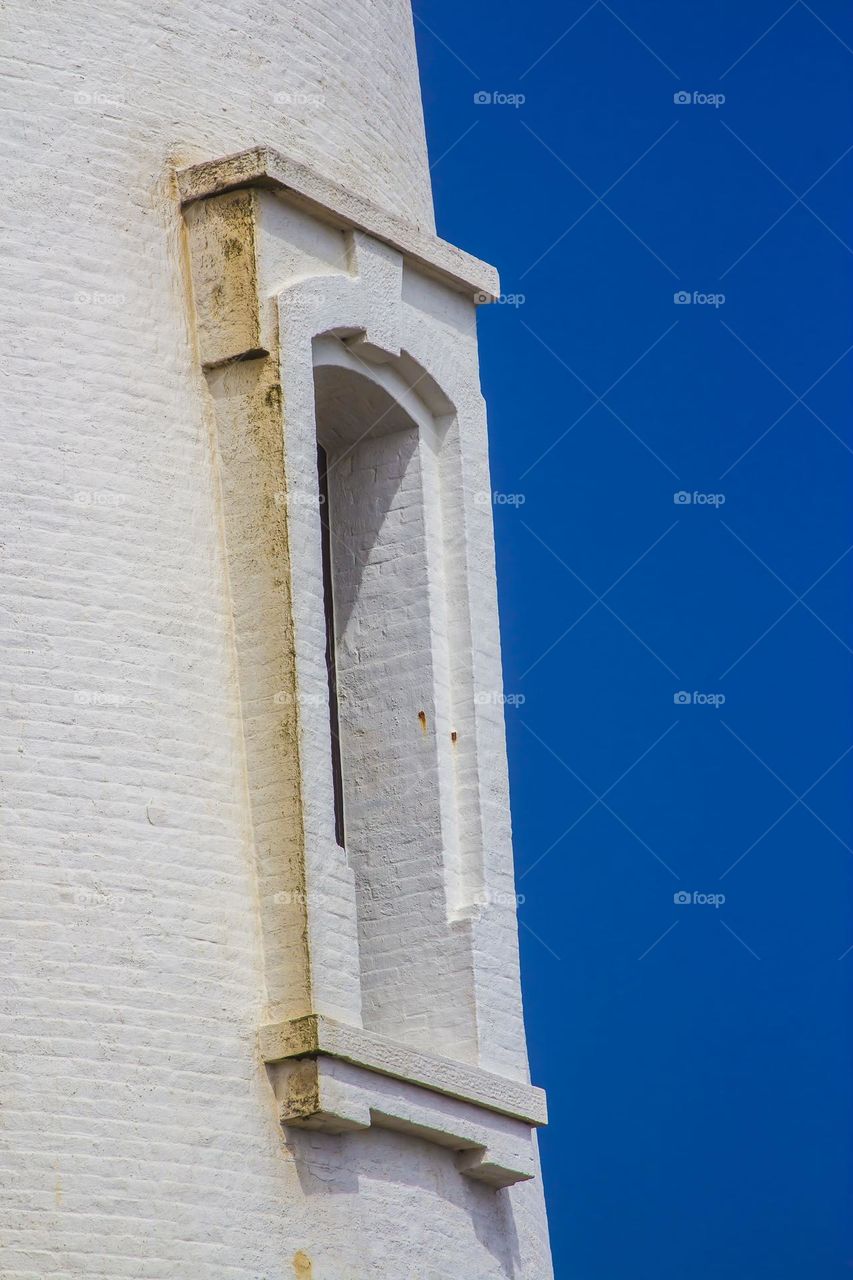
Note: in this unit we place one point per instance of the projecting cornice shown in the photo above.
(297, 183)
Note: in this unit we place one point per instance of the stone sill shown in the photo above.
(333, 1078)
(316, 1034)
(265, 167)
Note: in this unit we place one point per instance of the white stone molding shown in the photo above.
(304, 1037)
(264, 167)
(393, 995)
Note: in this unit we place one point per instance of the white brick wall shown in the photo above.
(139, 1136)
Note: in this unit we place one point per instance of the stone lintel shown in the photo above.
(266, 167)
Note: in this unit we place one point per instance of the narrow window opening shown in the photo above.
(331, 659)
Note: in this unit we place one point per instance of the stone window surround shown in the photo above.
(328, 1072)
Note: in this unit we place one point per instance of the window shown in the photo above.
(331, 645)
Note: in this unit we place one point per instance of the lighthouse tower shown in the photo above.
(259, 995)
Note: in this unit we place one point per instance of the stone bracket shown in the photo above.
(328, 1095)
(340, 1079)
(230, 322)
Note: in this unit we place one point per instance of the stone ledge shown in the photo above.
(325, 1095)
(265, 167)
(315, 1034)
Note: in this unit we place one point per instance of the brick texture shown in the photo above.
(139, 1136)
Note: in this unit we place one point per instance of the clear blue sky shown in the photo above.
(697, 1056)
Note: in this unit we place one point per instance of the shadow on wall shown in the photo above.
(371, 444)
(441, 1202)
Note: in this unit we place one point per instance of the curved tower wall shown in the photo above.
(141, 1133)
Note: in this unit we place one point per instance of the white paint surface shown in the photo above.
(140, 1135)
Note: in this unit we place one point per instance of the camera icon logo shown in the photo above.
(682, 698)
(681, 898)
(681, 298)
(681, 98)
(482, 98)
(682, 498)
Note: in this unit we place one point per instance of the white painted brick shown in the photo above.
(140, 1137)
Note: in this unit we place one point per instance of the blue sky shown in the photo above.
(697, 1054)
